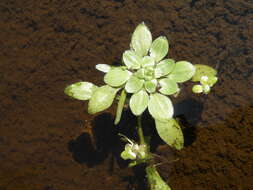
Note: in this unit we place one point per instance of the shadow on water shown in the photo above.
(105, 141)
(92, 150)
(137, 181)
(189, 113)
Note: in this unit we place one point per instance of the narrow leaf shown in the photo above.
(160, 107)
(141, 40)
(116, 77)
(168, 86)
(134, 84)
(80, 90)
(164, 67)
(171, 133)
(182, 71)
(159, 48)
(131, 59)
(120, 106)
(101, 99)
(139, 102)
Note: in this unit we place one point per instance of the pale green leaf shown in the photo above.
(154, 179)
(212, 80)
(208, 80)
(182, 71)
(131, 59)
(170, 132)
(203, 70)
(139, 102)
(206, 89)
(149, 73)
(204, 80)
(147, 61)
(134, 84)
(120, 106)
(141, 40)
(164, 67)
(101, 99)
(160, 107)
(168, 86)
(159, 48)
(103, 68)
(197, 89)
(151, 85)
(140, 73)
(116, 77)
(80, 90)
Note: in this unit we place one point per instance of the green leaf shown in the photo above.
(140, 73)
(197, 89)
(151, 85)
(103, 68)
(131, 59)
(141, 40)
(80, 90)
(171, 133)
(134, 84)
(155, 180)
(101, 99)
(139, 102)
(160, 107)
(206, 89)
(120, 106)
(203, 70)
(116, 77)
(147, 61)
(182, 71)
(149, 73)
(164, 67)
(168, 86)
(208, 80)
(159, 48)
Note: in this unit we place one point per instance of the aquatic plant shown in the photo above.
(145, 80)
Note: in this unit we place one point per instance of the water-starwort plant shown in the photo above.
(145, 81)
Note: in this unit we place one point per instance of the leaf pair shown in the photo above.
(141, 43)
(100, 98)
(159, 106)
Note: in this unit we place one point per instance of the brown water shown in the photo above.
(45, 137)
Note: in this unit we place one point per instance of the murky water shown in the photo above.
(45, 141)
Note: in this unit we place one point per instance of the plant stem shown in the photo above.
(140, 131)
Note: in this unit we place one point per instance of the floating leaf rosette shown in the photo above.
(146, 77)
